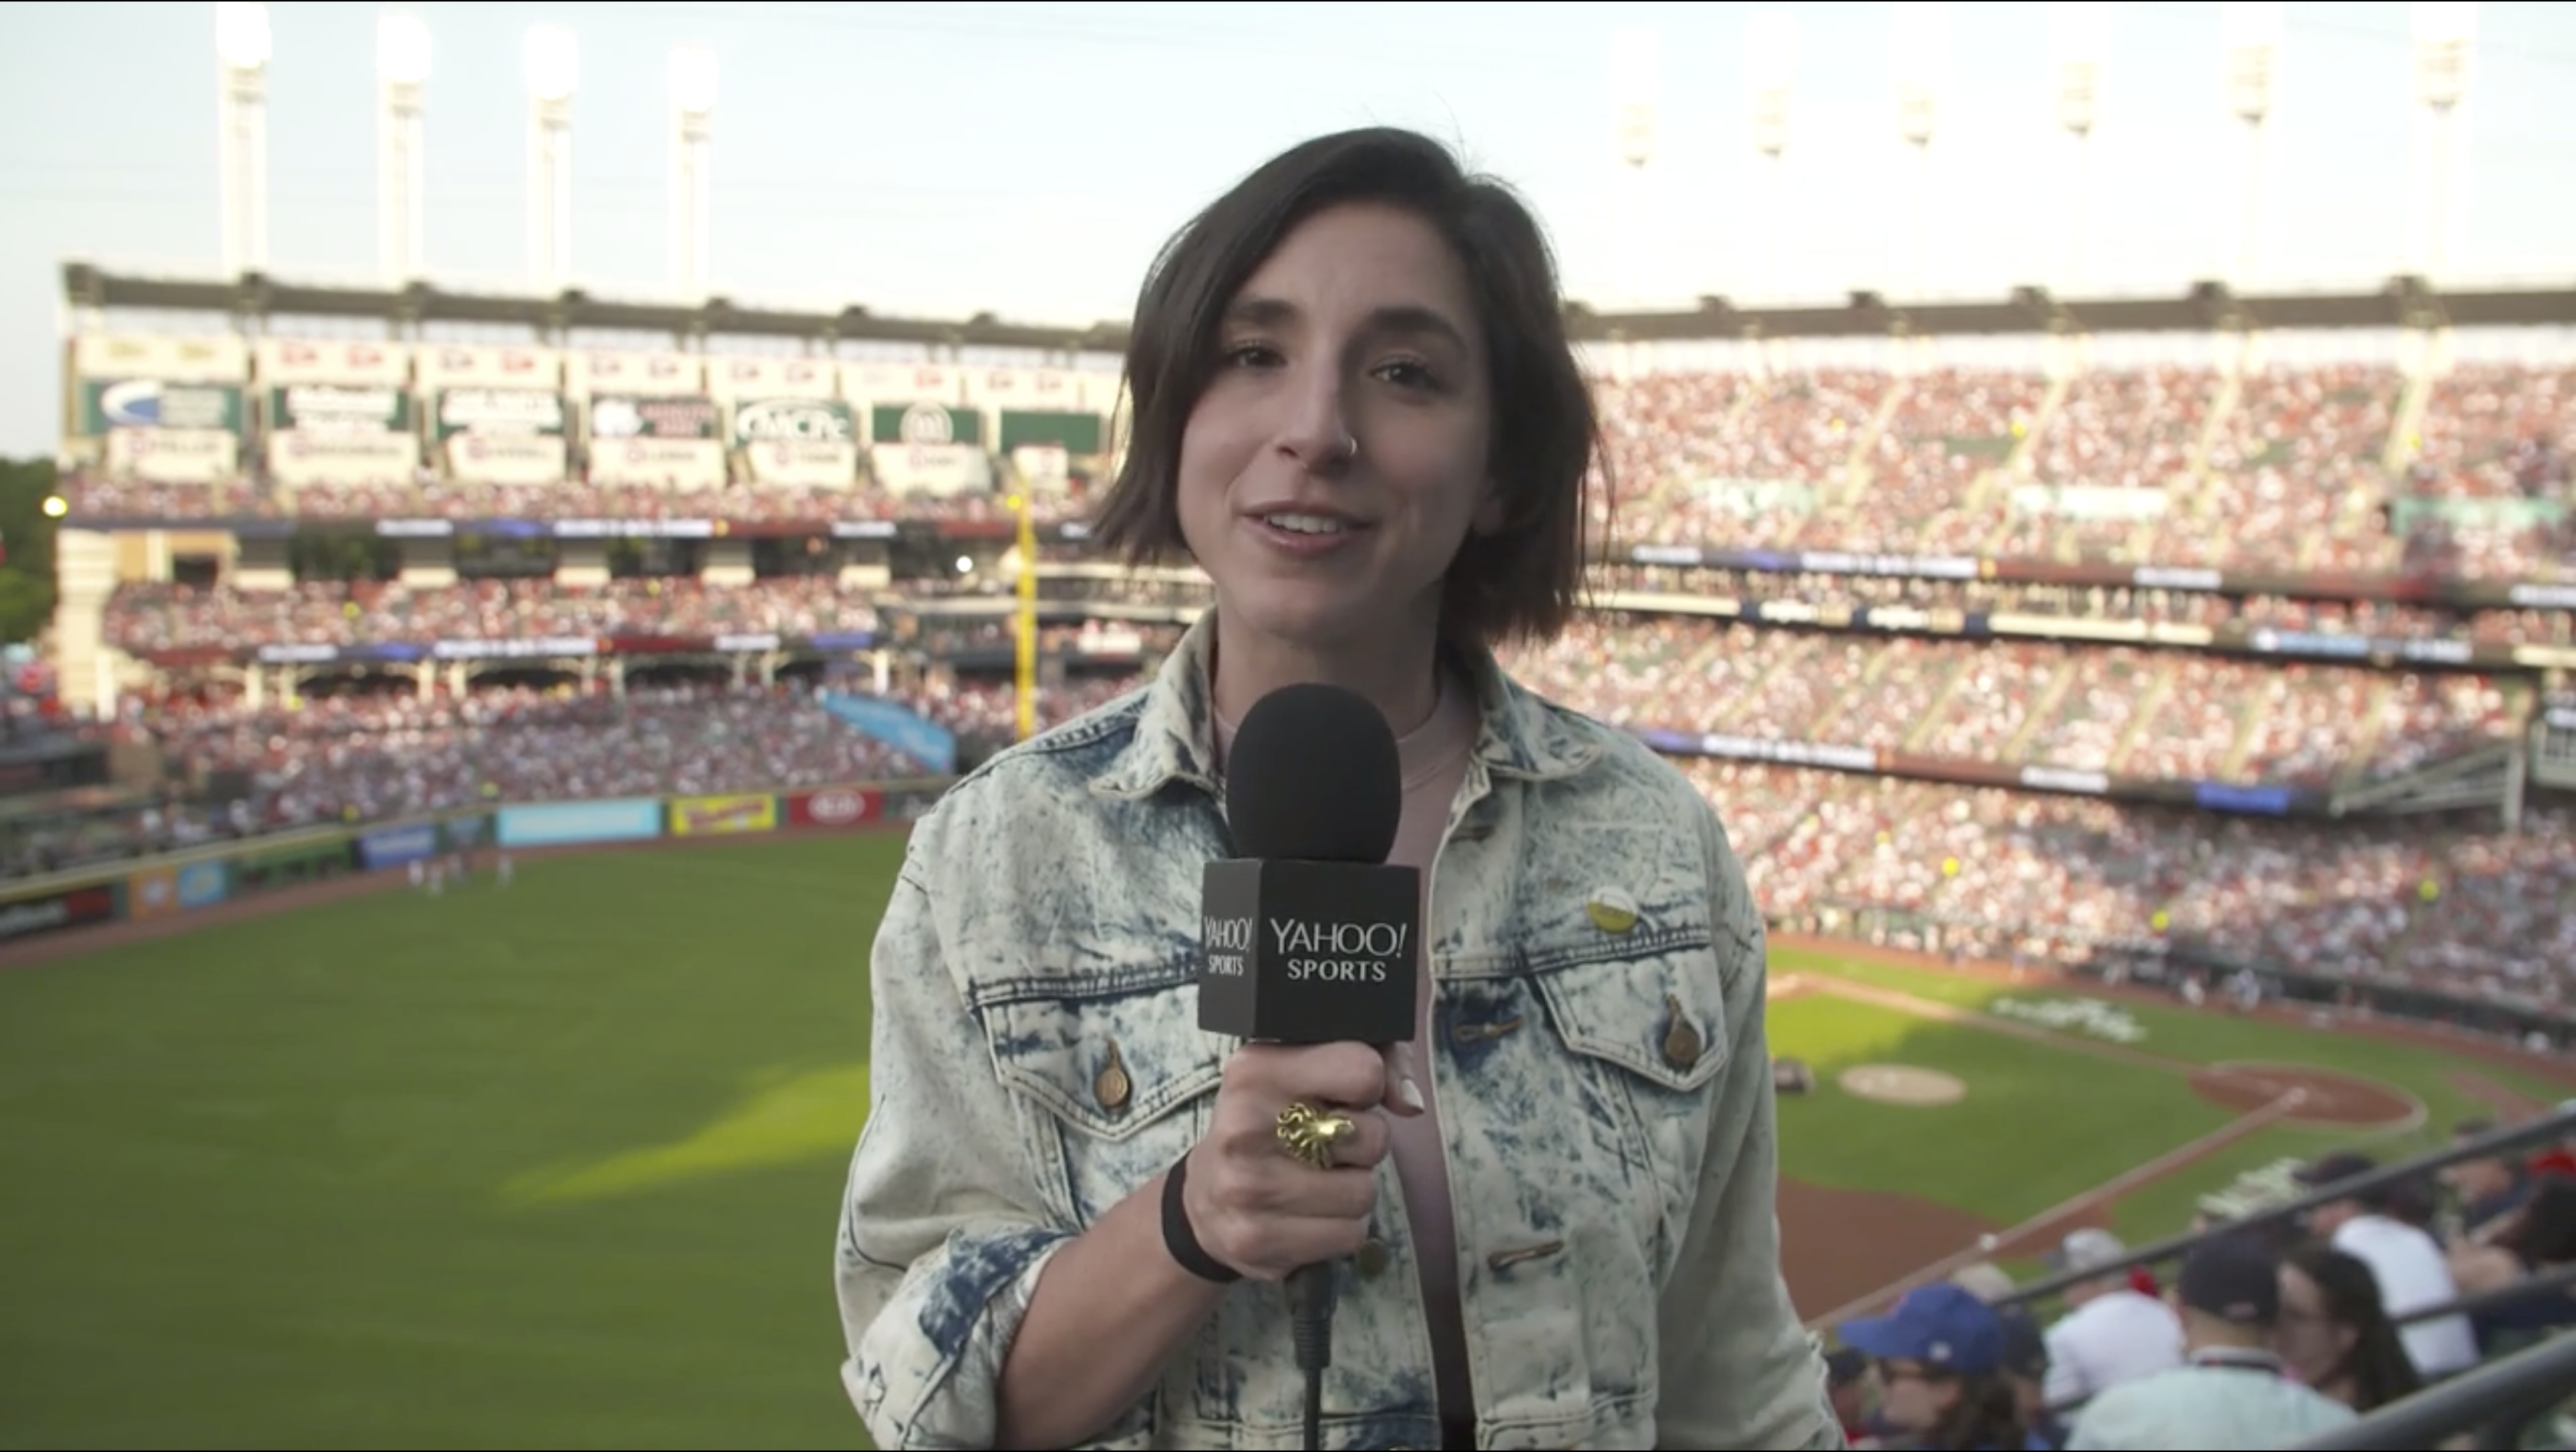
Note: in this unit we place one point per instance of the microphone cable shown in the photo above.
(1311, 1297)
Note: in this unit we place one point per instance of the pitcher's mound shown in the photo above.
(1901, 1084)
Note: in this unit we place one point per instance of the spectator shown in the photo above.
(2486, 1189)
(2231, 1391)
(2334, 1334)
(2026, 1367)
(2403, 1259)
(1940, 1357)
(2110, 1334)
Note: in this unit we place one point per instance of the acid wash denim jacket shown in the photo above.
(1596, 1049)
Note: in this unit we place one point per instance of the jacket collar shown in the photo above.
(1175, 738)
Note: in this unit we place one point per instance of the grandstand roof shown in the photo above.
(2403, 302)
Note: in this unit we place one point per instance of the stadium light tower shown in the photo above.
(693, 113)
(2445, 31)
(2079, 34)
(1915, 32)
(1770, 57)
(1636, 85)
(554, 70)
(2251, 32)
(241, 133)
(402, 69)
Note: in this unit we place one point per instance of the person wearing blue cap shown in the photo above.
(1940, 1355)
(2232, 1392)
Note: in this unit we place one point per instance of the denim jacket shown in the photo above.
(1596, 1049)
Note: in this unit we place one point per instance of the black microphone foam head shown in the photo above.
(1313, 776)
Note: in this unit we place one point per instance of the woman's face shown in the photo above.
(1359, 328)
(1913, 1400)
(2309, 1340)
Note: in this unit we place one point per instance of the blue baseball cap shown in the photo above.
(1943, 1326)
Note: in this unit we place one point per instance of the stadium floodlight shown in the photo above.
(2079, 36)
(693, 106)
(402, 69)
(241, 35)
(553, 63)
(1636, 84)
(402, 49)
(2445, 34)
(693, 78)
(2250, 30)
(242, 52)
(1770, 60)
(553, 72)
(1916, 38)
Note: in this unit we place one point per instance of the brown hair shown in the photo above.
(1525, 578)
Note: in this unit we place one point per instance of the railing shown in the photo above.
(175, 883)
(2496, 1400)
(2557, 1124)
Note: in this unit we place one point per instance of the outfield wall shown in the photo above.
(146, 888)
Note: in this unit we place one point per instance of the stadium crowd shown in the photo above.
(2305, 466)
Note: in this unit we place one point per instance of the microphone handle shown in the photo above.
(1310, 1310)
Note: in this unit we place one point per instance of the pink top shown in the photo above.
(1434, 758)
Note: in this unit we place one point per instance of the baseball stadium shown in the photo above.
(451, 799)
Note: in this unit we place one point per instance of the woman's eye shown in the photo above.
(1405, 373)
(1251, 355)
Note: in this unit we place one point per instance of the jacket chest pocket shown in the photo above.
(1648, 1036)
(1113, 1086)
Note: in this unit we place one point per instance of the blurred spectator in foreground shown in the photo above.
(2403, 1258)
(2110, 1333)
(2231, 1391)
(2334, 1333)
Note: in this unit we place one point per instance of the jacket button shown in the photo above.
(1371, 1259)
(1681, 1041)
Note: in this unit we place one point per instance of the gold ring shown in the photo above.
(1309, 1134)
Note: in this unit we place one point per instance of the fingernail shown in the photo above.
(1409, 1092)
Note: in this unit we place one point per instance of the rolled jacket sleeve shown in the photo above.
(1738, 1369)
(941, 1237)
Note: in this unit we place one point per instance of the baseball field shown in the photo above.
(556, 1163)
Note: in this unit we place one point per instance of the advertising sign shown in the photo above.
(811, 442)
(29, 917)
(151, 893)
(712, 816)
(505, 412)
(916, 736)
(338, 408)
(397, 846)
(337, 456)
(173, 456)
(148, 403)
(563, 824)
(835, 807)
(203, 884)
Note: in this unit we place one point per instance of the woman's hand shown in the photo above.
(1260, 1210)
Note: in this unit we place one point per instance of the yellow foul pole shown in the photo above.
(1025, 667)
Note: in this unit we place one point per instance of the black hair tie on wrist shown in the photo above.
(1180, 1239)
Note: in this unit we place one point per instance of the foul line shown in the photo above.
(2111, 1189)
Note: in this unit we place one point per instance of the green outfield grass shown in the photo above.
(557, 1165)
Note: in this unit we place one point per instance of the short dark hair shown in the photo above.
(1523, 580)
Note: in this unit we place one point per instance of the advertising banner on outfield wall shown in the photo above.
(713, 816)
(33, 916)
(398, 846)
(564, 824)
(204, 884)
(835, 807)
(152, 893)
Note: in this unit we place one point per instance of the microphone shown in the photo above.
(1308, 935)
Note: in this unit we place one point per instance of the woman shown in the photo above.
(1355, 407)
(1941, 1356)
(2334, 1334)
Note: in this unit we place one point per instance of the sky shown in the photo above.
(1028, 159)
